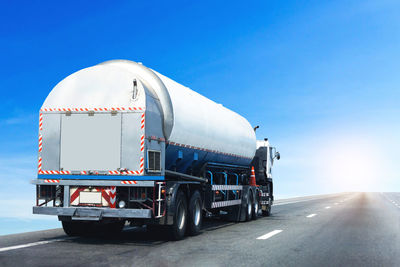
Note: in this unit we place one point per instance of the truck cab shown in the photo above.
(263, 162)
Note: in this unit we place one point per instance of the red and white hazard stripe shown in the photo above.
(51, 181)
(142, 121)
(136, 108)
(83, 172)
(40, 142)
(40, 121)
(100, 109)
(141, 165)
(74, 194)
(128, 182)
(113, 196)
(118, 109)
(142, 143)
(54, 172)
(39, 164)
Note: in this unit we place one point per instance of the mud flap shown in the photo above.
(243, 206)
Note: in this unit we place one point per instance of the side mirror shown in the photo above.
(277, 155)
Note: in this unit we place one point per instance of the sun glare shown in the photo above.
(350, 165)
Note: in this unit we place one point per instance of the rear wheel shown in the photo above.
(256, 206)
(87, 228)
(249, 210)
(76, 228)
(114, 227)
(195, 214)
(155, 228)
(177, 230)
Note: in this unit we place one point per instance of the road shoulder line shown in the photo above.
(33, 244)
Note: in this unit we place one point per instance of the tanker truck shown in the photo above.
(121, 143)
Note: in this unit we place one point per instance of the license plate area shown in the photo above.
(90, 197)
(93, 196)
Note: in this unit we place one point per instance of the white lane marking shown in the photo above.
(327, 207)
(311, 215)
(270, 234)
(33, 244)
(392, 201)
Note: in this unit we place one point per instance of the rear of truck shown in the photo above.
(92, 166)
(96, 160)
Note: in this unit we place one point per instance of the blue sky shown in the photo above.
(321, 78)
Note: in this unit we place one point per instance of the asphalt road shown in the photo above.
(349, 229)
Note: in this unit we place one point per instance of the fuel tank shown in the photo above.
(193, 129)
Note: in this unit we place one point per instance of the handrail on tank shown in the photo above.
(225, 176)
(237, 177)
(226, 181)
(237, 182)
(211, 176)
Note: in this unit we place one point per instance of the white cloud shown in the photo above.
(21, 119)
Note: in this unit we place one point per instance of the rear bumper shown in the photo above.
(80, 213)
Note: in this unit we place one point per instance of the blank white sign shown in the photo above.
(90, 142)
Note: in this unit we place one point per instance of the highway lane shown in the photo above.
(349, 229)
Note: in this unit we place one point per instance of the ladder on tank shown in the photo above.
(159, 209)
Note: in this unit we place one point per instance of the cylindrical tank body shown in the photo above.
(196, 129)
(213, 132)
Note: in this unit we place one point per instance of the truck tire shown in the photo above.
(76, 228)
(104, 228)
(249, 205)
(114, 228)
(256, 205)
(195, 214)
(178, 229)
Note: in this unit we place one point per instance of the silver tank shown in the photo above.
(187, 120)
